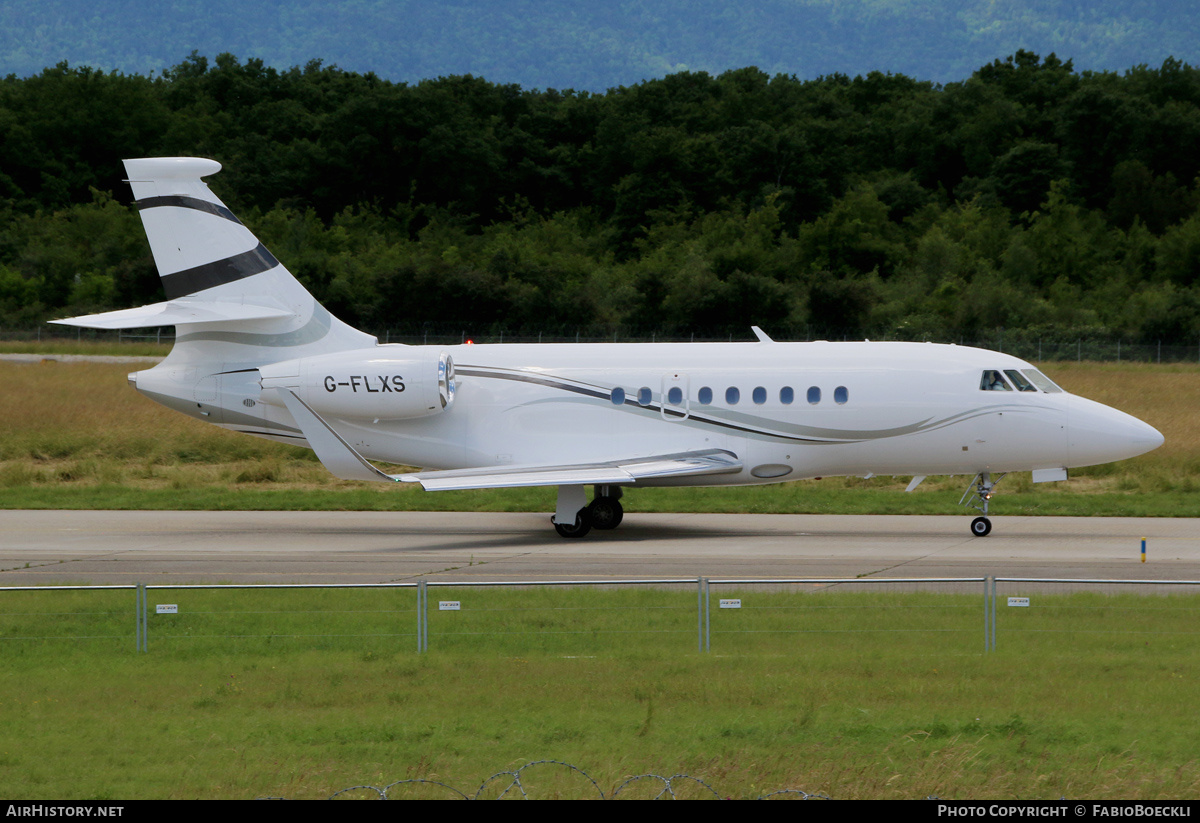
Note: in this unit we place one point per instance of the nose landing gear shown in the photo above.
(981, 527)
(977, 495)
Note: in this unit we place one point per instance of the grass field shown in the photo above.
(887, 696)
(77, 436)
(854, 695)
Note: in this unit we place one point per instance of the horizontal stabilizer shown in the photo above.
(174, 313)
(685, 464)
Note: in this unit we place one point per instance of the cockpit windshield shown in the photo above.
(1019, 380)
(1041, 381)
(1030, 380)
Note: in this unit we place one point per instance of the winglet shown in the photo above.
(762, 336)
(335, 453)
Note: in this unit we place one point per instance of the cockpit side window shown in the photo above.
(1019, 380)
(993, 381)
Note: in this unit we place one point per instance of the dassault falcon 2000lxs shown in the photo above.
(255, 353)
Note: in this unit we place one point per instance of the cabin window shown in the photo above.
(786, 395)
(645, 396)
(1019, 380)
(841, 395)
(675, 395)
(618, 396)
(814, 395)
(1042, 381)
(732, 395)
(759, 396)
(993, 381)
(705, 396)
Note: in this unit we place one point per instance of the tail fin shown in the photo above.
(230, 299)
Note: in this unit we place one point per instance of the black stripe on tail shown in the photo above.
(219, 272)
(184, 202)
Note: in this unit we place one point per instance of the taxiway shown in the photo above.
(111, 547)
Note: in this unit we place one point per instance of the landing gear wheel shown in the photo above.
(579, 528)
(605, 513)
(981, 527)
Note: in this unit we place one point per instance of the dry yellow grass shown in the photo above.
(82, 424)
(53, 410)
(1165, 396)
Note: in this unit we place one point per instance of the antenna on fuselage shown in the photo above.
(762, 336)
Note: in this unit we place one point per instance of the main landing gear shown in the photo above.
(977, 495)
(604, 512)
(579, 528)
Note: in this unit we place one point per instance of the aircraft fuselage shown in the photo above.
(787, 410)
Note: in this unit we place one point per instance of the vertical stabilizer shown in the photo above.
(209, 261)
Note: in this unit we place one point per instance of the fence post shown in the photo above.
(422, 618)
(994, 621)
(142, 627)
(989, 613)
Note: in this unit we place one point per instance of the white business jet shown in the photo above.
(255, 353)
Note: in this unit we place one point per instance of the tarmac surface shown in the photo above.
(157, 547)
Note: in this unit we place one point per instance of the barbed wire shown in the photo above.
(509, 783)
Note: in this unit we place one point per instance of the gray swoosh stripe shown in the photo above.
(315, 329)
(653, 408)
(749, 424)
(473, 371)
(185, 202)
(218, 272)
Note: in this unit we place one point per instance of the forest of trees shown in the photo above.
(1028, 197)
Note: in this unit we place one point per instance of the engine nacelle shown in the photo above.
(367, 384)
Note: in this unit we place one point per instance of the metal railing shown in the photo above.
(959, 608)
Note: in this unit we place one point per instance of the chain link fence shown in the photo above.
(966, 615)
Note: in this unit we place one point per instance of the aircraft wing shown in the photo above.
(344, 461)
(683, 464)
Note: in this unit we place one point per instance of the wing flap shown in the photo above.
(683, 464)
(508, 477)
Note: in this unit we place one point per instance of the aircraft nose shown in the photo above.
(1100, 434)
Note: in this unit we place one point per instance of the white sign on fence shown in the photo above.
(1019, 601)
(449, 606)
(731, 603)
(164, 608)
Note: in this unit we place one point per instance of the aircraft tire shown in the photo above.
(606, 513)
(981, 527)
(579, 528)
